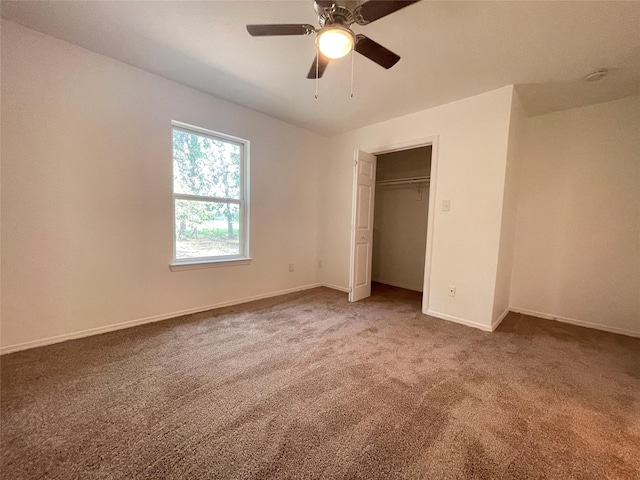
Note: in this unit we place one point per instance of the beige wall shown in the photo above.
(414, 162)
(400, 224)
(577, 254)
(86, 194)
(471, 156)
(509, 213)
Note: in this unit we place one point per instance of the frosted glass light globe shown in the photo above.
(335, 42)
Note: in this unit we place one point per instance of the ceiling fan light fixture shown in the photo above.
(335, 41)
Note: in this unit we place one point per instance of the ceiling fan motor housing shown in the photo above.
(331, 13)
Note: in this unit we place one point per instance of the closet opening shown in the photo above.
(401, 213)
(392, 211)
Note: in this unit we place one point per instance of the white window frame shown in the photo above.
(243, 203)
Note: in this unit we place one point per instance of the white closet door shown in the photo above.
(364, 187)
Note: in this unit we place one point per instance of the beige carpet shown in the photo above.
(309, 386)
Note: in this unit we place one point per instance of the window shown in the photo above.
(209, 196)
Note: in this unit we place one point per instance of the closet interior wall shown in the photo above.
(400, 218)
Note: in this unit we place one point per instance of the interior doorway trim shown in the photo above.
(407, 145)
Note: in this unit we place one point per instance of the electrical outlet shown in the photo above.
(291, 267)
(451, 291)
(446, 205)
(319, 263)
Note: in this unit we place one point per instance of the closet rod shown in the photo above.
(403, 181)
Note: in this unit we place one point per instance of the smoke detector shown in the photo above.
(597, 75)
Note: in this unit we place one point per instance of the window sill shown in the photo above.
(195, 264)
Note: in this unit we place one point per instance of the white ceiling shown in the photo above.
(450, 50)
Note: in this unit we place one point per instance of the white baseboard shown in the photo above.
(132, 323)
(399, 285)
(334, 287)
(573, 321)
(462, 321)
(498, 321)
(156, 318)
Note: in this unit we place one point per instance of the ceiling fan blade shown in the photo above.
(280, 29)
(376, 52)
(375, 9)
(321, 67)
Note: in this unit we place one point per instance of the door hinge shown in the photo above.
(355, 163)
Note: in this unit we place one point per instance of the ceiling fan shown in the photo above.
(335, 38)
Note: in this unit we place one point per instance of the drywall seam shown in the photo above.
(573, 321)
(462, 321)
(156, 318)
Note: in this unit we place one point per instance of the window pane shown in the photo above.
(206, 229)
(204, 166)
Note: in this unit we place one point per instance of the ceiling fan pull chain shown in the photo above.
(317, 67)
(353, 55)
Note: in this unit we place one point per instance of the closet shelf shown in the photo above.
(403, 181)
